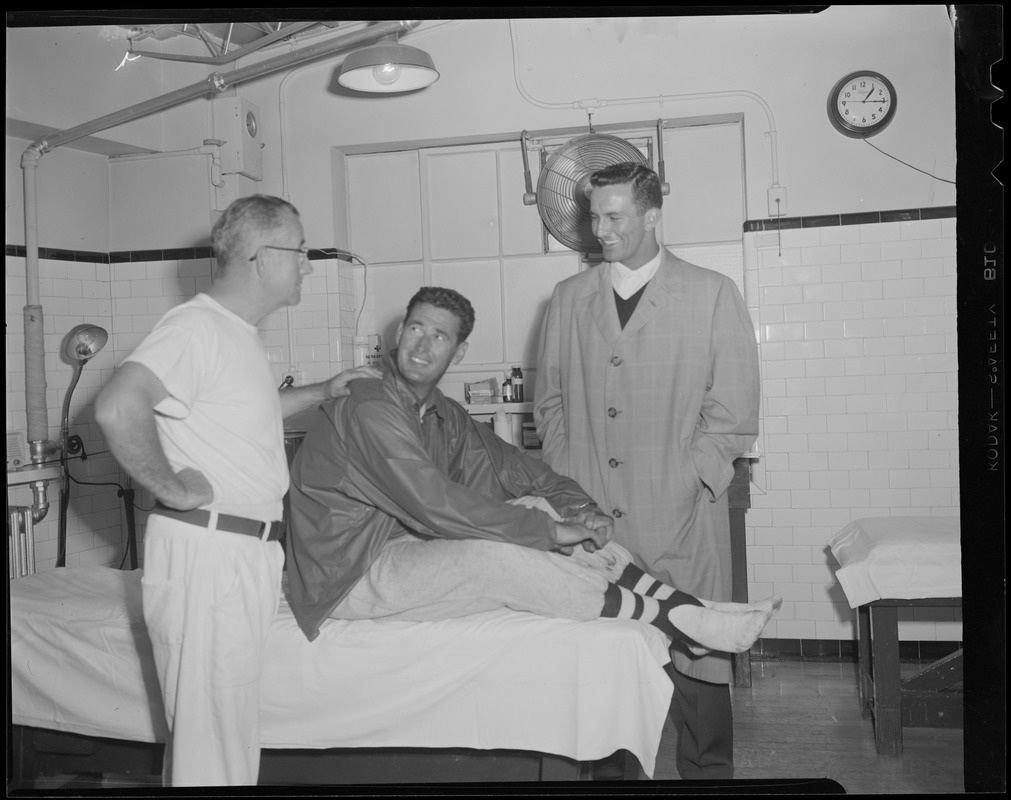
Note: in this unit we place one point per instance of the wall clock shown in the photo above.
(862, 104)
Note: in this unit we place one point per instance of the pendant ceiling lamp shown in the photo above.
(388, 66)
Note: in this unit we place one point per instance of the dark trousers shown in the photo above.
(703, 717)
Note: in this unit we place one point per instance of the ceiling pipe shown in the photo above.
(216, 82)
(40, 446)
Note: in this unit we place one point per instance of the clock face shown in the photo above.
(862, 104)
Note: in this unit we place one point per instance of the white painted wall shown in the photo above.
(500, 77)
(62, 77)
(777, 71)
(73, 198)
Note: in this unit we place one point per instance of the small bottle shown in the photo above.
(517, 381)
(507, 391)
(503, 427)
(374, 356)
(361, 350)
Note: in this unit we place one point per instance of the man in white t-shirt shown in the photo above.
(194, 416)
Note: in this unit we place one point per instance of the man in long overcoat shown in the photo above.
(647, 389)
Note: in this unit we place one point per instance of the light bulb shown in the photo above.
(386, 74)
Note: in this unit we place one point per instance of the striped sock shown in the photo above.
(638, 581)
(622, 603)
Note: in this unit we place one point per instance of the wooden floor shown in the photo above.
(802, 720)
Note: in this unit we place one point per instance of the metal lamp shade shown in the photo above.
(388, 67)
(84, 341)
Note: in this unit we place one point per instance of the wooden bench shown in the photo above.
(888, 563)
(932, 698)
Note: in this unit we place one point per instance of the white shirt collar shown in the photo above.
(627, 282)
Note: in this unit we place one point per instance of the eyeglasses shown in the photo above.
(303, 251)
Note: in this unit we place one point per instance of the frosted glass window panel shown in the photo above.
(389, 290)
(704, 167)
(384, 205)
(480, 282)
(462, 203)
(527, 290)
(458, 219)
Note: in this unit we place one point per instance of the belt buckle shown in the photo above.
(268, 530)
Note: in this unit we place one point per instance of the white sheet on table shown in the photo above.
(900, 558)
(499, 680)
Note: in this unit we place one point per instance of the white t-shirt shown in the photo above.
(223, 414)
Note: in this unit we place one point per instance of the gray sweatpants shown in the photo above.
(430, 579)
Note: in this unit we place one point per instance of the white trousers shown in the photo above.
(209, 599)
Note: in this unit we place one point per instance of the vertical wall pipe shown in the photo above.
(35, 351)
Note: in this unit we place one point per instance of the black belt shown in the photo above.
(268, 531)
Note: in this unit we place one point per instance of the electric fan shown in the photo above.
(562, 196)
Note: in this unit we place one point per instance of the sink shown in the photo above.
(30, 474)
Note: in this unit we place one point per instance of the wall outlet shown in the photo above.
(777, 201)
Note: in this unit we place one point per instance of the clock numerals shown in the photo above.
(862, 104)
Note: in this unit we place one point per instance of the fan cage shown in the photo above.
(565, 169)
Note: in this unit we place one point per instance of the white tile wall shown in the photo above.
(857, 334)
(71, 293)
(127, 299)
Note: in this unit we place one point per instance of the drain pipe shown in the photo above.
(40, 446)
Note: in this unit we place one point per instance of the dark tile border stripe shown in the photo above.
(59, 254)
(862, 218)
(750, 226)
(131, 256)
(173, 254)
(115, 257)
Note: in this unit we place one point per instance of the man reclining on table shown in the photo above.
(404, 507)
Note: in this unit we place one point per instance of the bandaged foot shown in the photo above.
(729, 627)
